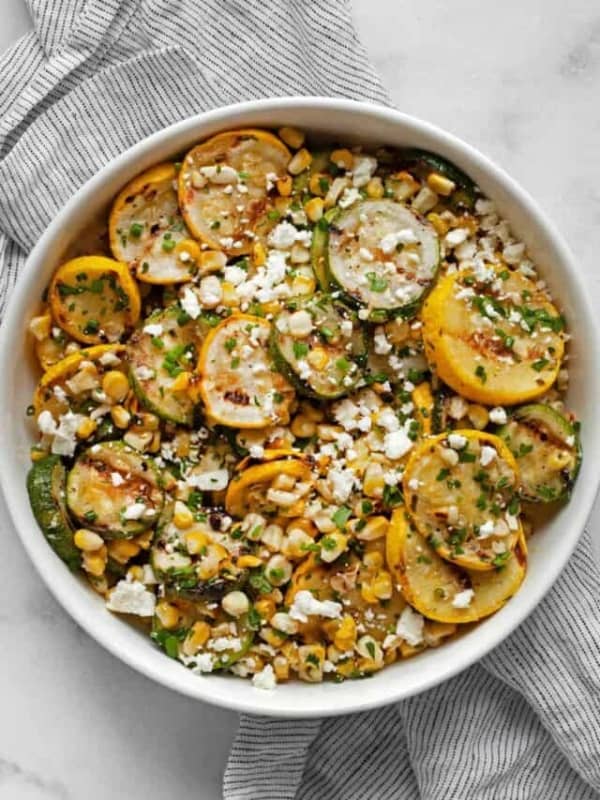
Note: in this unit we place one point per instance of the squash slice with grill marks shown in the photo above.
(494, 338)
(164, 348)
(115, 491)
(442, 591)
(238, 384)
(94, 299)
(227, 188)
(147, 231)
(548, 451)
(461, 493)
(382, 256)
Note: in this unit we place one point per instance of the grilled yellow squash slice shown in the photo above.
(497, 340)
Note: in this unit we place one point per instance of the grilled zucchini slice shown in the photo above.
(494, 339)
(72, 382)
(382, 256)
(94, 299)
(238, 384)
(230, 178)
(318, 248)
(114, 490)
(436, 588)
(166, 345)
(46, 487)
(326, 361)
(460, 490)
(547, 449)
(147, 231)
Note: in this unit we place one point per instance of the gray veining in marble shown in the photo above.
(521, 81)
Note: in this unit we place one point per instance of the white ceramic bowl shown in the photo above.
(551, 546)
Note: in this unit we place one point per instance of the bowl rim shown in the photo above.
(253, 702)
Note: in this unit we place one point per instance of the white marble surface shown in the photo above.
(518, 79)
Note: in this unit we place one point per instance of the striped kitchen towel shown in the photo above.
(93, 78)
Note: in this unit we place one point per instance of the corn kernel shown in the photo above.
(259, 254)
(196, 638)
(282, 621)
(318, 184)
(332, 546)
(136, 573)
(375, 189)
(95, 562)
(115, 385)
(425, 200)
(168, 614)
(440, 184)
(230, 295)
(281, 668)
(265, 607)
(86, 428)
(284, 186)
(120, 416)
(123, 550)
(367, 593)
(335, 191)
(343, 159)
(345, 635)
(440, 225)
(293, 137)
(144, 539)
(181, 382)
(479, 416)
(270, 636)
(182, 516)
(314, 209)
(278, 570)
(41, 326)
(299, 162)
(196, 541)
(249, 561)
(212, 261)
(235, 603)
(376, 528)
(310, 662)
(371, 651)
(189, 246)
(404, 186)
(303, 285)
(382, 585)
(88, 541)
(373, 482)
(373, 560)
(318, 358)
(302, 427)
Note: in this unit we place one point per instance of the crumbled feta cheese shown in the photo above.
(283, 236)
(223, 643)
(304, 370)
(144, 373)
(410, 627)
(396, 444)
(457, 407)
(498, 416)
(414, 484)
(201, 662)
(116, 479)
(487, 455)
(306, 604)
(190, 303)
(363, 170)
(109, 359)
(457, 441)
(65, 436)
(349, 197)
(456, 237)
(381, 343)
(60, 394)
(265, 679)
(46, 423)
(134, 511)
(212, 481)
(463, 599)
(391, 240)
(366, 255)
(154, 329)
(342, 482)
(487, 529)
(235, 275)
(256, 451)
(131, 597)
(271, 179)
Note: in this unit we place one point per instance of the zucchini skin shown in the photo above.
(531, 417)
(46, 483)
(423, 162)
(319, 249)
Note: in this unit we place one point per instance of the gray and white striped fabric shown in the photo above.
(95, 77)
